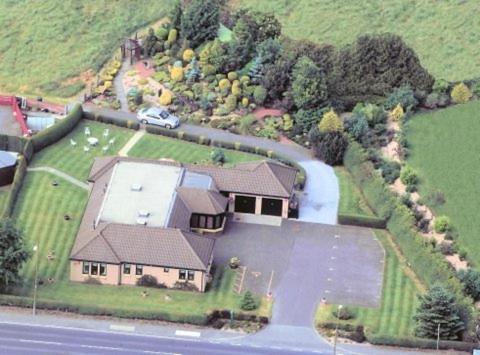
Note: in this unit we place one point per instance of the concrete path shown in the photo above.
(321, 192)
(62, 175)
(131, 142)
(118, 85)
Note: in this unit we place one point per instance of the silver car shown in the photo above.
(158, 116)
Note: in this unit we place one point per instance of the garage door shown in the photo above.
(244, 204)
(272, 206)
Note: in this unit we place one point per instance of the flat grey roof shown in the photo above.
(200, 181)
(137, 188)
(7, 158)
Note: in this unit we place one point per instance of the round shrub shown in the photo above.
(330, 123)
(259, 94)
(208, 69)
(248, 302)
(166, 98)
(176, 74)
(232, 76)
(441, 224)
(224, 85)
(390, 171)
(245, 102)
(408, 176)
(147, 281)
(188, 55)
(471, 282)
(162, 33)
(356, 126)
(234, 262)
(231, 103)
(330, 147)
(236, 89)
(172, 36)
(461, 93)
(343, 313)
(403, 96)
(397, 113)
(244, 79)
(218, 156)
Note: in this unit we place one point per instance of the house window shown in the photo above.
(166, 269)
(103, 269)
(218, 221)
(127, 268)
(202, 222)
(139, 270)
(182, 275)
(194, 221)
(190, 275)
(86, 268)
(94, 270)
(210, 222)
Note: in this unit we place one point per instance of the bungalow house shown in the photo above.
(159, 218)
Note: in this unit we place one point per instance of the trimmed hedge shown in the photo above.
(105, 118)
(189, 137)
(427, 262)
(420, 343)
(58, 130)
(20, 172)
(362, 221)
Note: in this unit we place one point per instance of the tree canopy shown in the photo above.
(200, 21)
(12, 252)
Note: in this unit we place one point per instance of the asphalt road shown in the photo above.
(33, 339)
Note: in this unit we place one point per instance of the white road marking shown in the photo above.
(187, 333)
(333, 258)
(334, 247)
(39, 342)
(269, 290)
(337, 236)
(120, 327)
(329, 279)
(331, 269)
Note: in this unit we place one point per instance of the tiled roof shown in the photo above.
(121, 243)
(259, 178)
(202, 201)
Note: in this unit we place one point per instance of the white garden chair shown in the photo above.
(73, 143)
(106, 132)
(86, 149)
(111, 141)
(87, 131)
(105, 149)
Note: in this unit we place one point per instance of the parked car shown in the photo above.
(158, 116)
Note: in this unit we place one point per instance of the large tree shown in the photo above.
(200, 21)
(329, 147)
(376, 64)
(438, 307)
(309, 86)
(12, 252)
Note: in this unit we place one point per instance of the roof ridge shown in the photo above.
(272, 173)
(190, 245)
(113, 160)
(108, 243)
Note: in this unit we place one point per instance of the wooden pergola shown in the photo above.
(133, 47)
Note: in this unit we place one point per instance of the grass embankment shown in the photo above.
(156, 147)
(40, 213)
(445, 153)
(48, 44)
(398, 303)
(351, 199)
(444, 34)
(73, 160)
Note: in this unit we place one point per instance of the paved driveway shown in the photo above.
(303, 262)
(8, 124)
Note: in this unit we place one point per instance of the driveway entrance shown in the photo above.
(301, 263)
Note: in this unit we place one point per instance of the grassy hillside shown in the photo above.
(46, 44)
(445, 34)
(445, 152)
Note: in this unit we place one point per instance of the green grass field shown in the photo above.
(46, 43)
(40, 212)
(399, 299)
(156, 147)
(351, 199)
(445, 153)
(73, 160)
(445, 34)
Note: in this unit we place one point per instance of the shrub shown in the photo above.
(172, 36)
(185, 286)
(162, 33)
(135, 125)
(236, 89)
(248, 302)
(343, 313)
(176, 74)
(390, 171)
(245, 102)
(397, 113)
(408, 176)
(259, 94)
(218, 156)
(441, 224)
(402, 96)
(147, 281)
(224, 85)
(287, 122)
(232, 76)
(441, 86)
(11, 199)
(357, 126)
(245, 123)
(461, 93)
(234, 262)
(231, 103)
(330, 147)
(362, 221)
(330, 123)
(188, 55)
(446, 248)
(372, 113)
(166, 98)
(471, 282)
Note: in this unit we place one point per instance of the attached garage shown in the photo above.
(272, 206)
(245, 204)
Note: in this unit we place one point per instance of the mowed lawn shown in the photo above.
(445, 34)
(445, 151)
(156, 147)
(399, 299)
(351, 199)
(40, 212)
(72, 159)
(46, 44)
